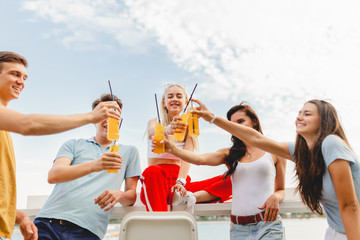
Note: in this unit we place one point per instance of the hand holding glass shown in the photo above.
(184, 119)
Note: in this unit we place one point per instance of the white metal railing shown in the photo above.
(291, 204)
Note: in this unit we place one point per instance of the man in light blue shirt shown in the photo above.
(78, 207)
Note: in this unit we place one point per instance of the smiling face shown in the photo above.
(308, 121)
(174, 100)
(12, 81)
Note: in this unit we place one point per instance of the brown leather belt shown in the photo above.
(247, 220)
(61, 222)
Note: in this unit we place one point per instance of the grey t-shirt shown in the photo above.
(334, 148)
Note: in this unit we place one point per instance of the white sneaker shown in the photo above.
(189, 200)
(178, 199)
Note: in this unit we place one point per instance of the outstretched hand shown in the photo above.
(202, 111)
(105, 110)
(169, 145)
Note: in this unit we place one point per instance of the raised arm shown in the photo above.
(247, 134)
(42, 124)
(211, 159)
(62, 171)
(341, 176)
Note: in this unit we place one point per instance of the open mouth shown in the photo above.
(175, 104)
(18, 89)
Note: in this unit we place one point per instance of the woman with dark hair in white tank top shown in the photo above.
(258, 180)
(327, 168)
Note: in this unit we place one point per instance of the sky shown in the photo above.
(275, 55)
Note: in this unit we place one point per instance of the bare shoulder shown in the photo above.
(278, 160)
(152, 122)
(224, 151)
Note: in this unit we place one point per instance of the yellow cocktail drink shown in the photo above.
(113, 129)
(184, 119)
(113, 148)
(158, 137)
(193, 124)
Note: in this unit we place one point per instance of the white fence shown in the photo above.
(291, 204)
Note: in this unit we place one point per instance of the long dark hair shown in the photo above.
(309, 163)
(238, 149)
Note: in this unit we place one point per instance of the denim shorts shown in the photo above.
(50, 229)
(261, 230)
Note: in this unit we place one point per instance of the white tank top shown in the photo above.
(252, 185)
(151, 154)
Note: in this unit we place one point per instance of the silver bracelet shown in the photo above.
(212, 120)
(181, 181)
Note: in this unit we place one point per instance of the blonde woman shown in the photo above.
(167, 173)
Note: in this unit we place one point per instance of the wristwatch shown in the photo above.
(181, 181)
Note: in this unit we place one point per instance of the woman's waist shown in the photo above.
(162, 161)
(248, 204)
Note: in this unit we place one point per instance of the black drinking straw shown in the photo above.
(112, 96)
(157, 108)
(190, 98)
(120, 123)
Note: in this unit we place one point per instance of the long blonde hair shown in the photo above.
(165, 119)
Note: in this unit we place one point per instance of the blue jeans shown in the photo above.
(51, 229)
(260, 231)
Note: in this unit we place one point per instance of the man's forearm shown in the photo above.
(38, 124)
(19, 216)
(128, 198)
(61, 174)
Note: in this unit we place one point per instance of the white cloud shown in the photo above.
(274, 54)
(277, 54)
(89, 23)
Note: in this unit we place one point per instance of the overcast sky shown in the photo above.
(275, 55)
